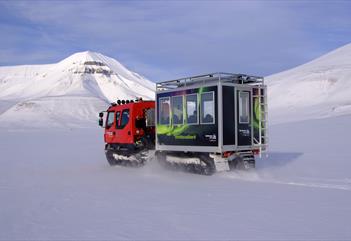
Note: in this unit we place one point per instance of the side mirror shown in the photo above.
(101, 119)
(101, 122)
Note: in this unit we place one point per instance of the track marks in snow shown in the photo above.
(338, 184)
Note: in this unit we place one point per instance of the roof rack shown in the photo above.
(213, 77)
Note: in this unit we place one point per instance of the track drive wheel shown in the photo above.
(245, 162)
(209, 169)
(206, 168)
(110, 158)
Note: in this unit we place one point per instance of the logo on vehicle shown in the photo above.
(244, 132)
(211, 138)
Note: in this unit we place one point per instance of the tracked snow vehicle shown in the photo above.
(201, 124)
(129, 131)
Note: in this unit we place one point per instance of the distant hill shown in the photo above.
(69, 93)
(318, 89)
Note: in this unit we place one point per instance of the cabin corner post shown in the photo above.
(220, 114)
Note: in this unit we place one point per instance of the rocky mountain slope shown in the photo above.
(68, 93)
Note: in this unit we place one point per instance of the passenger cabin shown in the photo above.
(214, 113)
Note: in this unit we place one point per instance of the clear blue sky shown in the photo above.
(169, 39)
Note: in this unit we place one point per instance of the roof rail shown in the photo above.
(212, 77)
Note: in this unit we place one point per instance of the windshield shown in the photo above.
(110, 119)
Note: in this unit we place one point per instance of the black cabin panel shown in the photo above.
(228, 115)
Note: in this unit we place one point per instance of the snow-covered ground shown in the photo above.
(58, 185)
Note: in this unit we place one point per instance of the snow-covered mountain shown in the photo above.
(68, 93)
(317, 89)
(73, 91)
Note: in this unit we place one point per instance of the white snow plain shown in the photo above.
(57, 185)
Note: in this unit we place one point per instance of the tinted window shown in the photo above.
(118, 116)
(207, 108)
(177, 110)
(110, 119)
(150, 117)
(163, 111)
(244, 117)
(124, 118)
(191, 109)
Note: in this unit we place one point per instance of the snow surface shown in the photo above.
(69, 92)
(318, 89)
(57, 185)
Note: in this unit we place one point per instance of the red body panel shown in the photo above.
(129, 133)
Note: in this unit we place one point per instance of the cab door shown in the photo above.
(244, 117)
(124, 127)
(110, 127)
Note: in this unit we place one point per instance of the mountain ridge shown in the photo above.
(27, 91)
(317, 89)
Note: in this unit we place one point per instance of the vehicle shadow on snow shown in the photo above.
(277, 159)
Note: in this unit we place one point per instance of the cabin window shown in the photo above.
(207, 108)
(244, 116)
(163, 111)
(150, 117)
(191, 109)
(118, 117)
(110, 119)
(177, 110)
(124, 118)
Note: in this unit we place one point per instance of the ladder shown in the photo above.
(261, 95)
